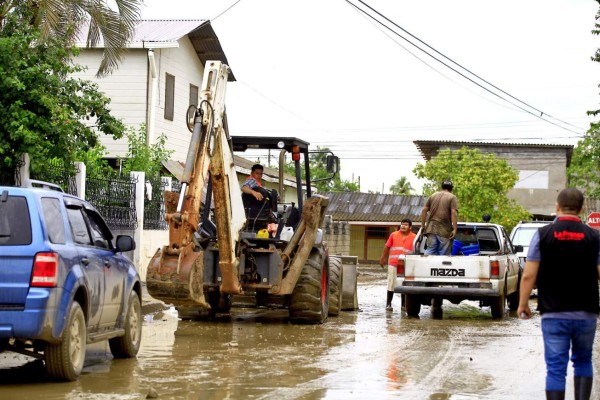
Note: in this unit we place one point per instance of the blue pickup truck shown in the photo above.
(63, 281)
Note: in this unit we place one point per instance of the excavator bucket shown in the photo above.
(176, 277)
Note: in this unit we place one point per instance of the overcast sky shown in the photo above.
(322, 71)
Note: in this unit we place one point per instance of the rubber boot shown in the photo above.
(388, 304)
(555, 395)
(583, 387)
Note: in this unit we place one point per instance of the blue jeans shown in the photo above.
(438, 245)
(560, 335)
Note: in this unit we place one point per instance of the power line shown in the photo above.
(541, 113)
(227, 9)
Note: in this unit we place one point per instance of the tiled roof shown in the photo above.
(372, 207)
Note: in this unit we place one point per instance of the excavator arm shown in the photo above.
(175, 273)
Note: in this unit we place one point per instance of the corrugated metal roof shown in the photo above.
(373, 207)
(163, 33)
(429, 148)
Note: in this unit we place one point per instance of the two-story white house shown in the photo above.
(158, 78)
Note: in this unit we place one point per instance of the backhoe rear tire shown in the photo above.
(309, 302)
(336, 274)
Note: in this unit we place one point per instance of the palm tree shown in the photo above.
(401, 186)
(67, 18)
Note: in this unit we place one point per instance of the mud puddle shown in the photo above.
(257, 354)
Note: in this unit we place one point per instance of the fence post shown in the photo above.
(24, 170)
(80, 179)
(140, 178)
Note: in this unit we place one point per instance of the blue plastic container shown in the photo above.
(470, 250)
(456, 247)
(459, 249)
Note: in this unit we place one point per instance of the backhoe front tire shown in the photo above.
(309, 302)
(336, 274)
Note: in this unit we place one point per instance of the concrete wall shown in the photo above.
(153, 240)
(538, 167)
(337, 236)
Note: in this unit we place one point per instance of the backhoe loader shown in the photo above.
(220, 247)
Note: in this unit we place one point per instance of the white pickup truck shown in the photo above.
(490, 272)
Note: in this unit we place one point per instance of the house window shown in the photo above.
(377, 232)
(169, 97)
(193, 95)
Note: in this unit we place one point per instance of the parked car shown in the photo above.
(522, 233)
(64, 281)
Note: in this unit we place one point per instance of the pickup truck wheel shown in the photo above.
(128, 345)
(309, 302)
(413, 306)
(64, 360)
(335, 285)
(498, 306)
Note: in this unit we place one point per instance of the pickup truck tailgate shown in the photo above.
(447, 268)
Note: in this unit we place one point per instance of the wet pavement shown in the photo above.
(257, 354)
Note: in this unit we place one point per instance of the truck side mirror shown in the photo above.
(333, 164)
(518, 248)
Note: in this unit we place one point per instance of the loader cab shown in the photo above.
(297, 148)
(288, 149)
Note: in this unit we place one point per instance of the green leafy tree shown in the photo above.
(65, 19)
(584, 170)
(141, 157)
(44, 111)
(402, 187)
(596, 57)
(481, 183)
(96, 165)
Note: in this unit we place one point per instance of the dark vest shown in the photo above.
(567, 279)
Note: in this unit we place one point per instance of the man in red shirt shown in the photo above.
(398, 244)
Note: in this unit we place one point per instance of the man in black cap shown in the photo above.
(440, 227)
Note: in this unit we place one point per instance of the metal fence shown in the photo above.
(154, 206)
(60, 173)
(114, 198)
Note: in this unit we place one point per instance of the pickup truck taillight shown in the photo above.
(400, 267)
(45, 270)
(494, 269)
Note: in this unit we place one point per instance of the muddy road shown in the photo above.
(364, 354)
